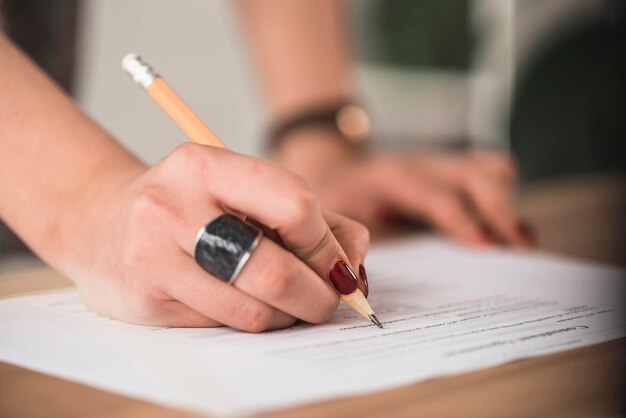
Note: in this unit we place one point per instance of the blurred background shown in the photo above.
(542, 78)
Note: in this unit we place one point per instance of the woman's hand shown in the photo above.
(125, 233)
(145, 271)
(465, 195)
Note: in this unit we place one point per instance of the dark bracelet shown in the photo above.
(348, 120)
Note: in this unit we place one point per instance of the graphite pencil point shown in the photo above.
(376, 321)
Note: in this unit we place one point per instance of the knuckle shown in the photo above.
(186, 151)
(359, 238)
(187, 156)
(475, 184)
(258, 166)
(442, 205)
(255, 318)
(275, 276)
(146, 203)
(325, 309)
(361, 234)
(300, 202)
(487, 195)
(151, 206)
(492, 205)
(144, 213)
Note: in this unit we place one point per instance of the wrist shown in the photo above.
(349, 121)
(316, 153)
(94, 208)
(318, 140)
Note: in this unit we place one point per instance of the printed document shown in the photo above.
(446, 309)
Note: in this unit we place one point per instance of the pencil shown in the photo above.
(200, 133)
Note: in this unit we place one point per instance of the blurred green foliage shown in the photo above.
(415, 33)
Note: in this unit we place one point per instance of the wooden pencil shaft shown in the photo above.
(357, 301)
(198, 132)
(182, 114)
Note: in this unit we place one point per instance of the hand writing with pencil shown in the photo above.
(124, 232)
(210, 237)
(148, 244)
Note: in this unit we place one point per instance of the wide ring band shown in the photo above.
(224, 246)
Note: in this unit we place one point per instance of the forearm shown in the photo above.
(301, 51)
(56, 165)
(302, 54)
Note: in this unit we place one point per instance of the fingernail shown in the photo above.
(389, 218)
(363, 276)
(342, 278)
(527, 232)
(489, 237)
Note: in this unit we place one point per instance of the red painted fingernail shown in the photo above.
(489, 236)
(389, 218)
(363, 276)
(342, 278)
(527, 232)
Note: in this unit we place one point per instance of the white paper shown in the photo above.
(446, 309)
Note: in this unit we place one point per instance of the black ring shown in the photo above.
(224, 246)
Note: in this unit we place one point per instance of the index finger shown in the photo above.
(282, 201)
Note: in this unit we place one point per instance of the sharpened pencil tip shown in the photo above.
(376, 321)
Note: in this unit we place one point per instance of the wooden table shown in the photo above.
(581, 217)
